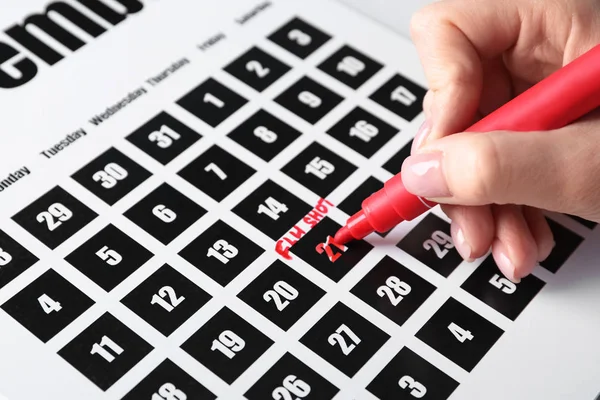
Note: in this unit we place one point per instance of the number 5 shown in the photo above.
(503, 284)
(111, 257)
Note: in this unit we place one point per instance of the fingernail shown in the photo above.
(421, 136)
(422, 175)
(505, 264)
(461, 244)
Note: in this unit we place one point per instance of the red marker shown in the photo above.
(563, 97)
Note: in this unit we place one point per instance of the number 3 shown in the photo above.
(418, 389)
(299, 37)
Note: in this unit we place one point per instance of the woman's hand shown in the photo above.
(477, 55)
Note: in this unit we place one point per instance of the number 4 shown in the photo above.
(460, 333)
(49, 305)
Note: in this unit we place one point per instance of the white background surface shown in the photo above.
(393, 13)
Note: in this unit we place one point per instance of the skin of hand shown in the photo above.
(477, 55)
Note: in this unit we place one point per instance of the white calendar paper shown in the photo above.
(170, 174)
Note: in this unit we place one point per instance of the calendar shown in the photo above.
(171, 175)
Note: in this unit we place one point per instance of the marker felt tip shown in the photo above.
(563, 97)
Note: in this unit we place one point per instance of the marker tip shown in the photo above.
(343, 236)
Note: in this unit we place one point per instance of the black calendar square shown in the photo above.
(319, 251)
(460, 334)
(351, 67)
(393, 290)
(510, 299)
(169, 382)
(345, 339)
(394, 164)
(212, 102)
(163, 138)
(291, 378)
(299, 38)
(165, 213)
(217, 173)
(166, 299)
(272, 209)
(408, 377)
(587, 223)
(401, 96)
(105, 351)
(309, 100)
(363, 132)
(227, 345)
(47, 305)
(353, 203)
(430, 242)
(264, 135)
(319, 169)
(111, 176)
(109, 257)
(14, 259)
(54, 217)
(257, 69)
(567, 242)
(221, 252)
(281, 295)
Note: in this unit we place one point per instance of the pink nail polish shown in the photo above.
(461, 244)
(504, 263)
(422, 175)
(421, 136)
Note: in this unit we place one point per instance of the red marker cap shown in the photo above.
(563, 97)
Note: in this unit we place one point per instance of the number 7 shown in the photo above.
(218, 171)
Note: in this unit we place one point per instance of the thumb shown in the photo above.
(555, 170)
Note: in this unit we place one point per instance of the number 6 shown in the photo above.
(164, 214)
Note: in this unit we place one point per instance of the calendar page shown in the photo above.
(171, 175)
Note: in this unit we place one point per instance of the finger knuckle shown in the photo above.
(484, 175)
(422, 20)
